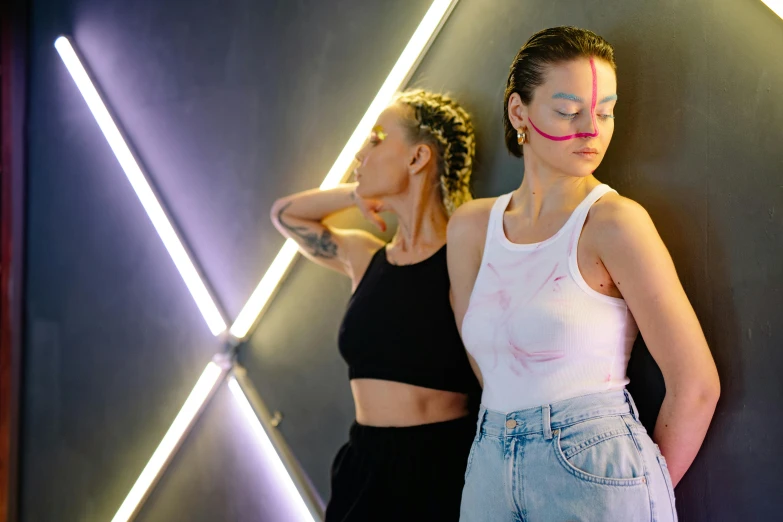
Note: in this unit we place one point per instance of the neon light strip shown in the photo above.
(775, 5)
(203, 389)
(263, 292)
(270, 454)
(142, 187)
(398, 76)
(592, 114)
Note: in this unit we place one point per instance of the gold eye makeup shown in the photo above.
(378, 133)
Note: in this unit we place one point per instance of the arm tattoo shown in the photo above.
(319, 246)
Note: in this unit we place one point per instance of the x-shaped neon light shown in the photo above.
(221, 365)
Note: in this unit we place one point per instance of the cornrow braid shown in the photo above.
(440, 122)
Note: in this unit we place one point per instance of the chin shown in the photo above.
(365, 192)
(581, 172)
(583, 169)
(361, 190)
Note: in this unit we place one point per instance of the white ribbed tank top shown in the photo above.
(536, 329)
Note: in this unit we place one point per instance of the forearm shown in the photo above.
(316, 204)
(681, 426)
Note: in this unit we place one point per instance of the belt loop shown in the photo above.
(481, 416)
(629, 400)
(545, 418)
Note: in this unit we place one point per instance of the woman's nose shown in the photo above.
(588, 127)
(361, 154)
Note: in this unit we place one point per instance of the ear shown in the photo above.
(422, 154)
(517, 111)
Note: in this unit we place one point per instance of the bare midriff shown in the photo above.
(387, 403)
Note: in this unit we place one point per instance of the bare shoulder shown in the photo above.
(358, 248)
(615, 220)
(469, 221)
(359, 240)
(467, 232)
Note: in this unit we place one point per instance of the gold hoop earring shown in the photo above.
(522, 136)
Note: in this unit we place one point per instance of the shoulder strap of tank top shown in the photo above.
(374, 261)
(581, 211)
(496, 218)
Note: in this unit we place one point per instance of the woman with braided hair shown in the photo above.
(409, 373)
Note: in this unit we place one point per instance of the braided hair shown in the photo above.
(440, 122)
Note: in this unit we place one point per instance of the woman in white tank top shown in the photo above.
(551, 285)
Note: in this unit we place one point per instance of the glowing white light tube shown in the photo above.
(271, 457)
(142, 187)
(205, 386)
(776, 6)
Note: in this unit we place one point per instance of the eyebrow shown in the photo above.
(566, 96)
(378, 129)
(574, 97)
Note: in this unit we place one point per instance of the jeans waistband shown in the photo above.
(544, 419)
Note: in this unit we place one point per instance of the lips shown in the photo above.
(586, 150)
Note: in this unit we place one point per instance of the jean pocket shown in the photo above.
(602, 451)
(667, 478)
(470, 455)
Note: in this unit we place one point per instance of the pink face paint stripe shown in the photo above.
(593, 104)
(549, 136)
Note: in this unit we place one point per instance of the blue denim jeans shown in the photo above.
(587, 458)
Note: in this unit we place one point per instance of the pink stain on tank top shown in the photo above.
(525, 357)
(592, 115)
(551, 274)
(520, 354)
(501, 296)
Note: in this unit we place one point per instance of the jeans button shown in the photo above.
(511, 423)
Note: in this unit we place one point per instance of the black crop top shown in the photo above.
(399, 326)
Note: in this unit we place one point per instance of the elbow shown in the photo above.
(701, 394)
(709, 388)
(713, 390)
(707, 395)
(277, 210)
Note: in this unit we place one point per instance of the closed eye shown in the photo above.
(568, 116)
(606, 116)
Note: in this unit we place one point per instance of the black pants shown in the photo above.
(406, 474)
